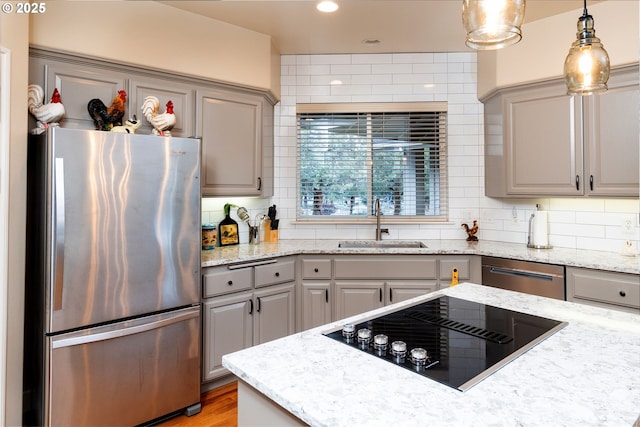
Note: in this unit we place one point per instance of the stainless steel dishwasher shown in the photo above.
(534, 278)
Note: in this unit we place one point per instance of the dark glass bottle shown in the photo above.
(228, 229)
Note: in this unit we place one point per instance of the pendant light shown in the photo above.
(586, 69)
(492, 24)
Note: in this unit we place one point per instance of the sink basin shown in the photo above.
(381, 244)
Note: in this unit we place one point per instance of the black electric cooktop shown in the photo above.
(457, 342)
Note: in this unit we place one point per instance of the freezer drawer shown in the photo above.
(126, 373)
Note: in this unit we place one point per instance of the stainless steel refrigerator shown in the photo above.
(112, 293)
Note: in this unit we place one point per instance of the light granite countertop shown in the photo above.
(600, 260)
(586, 374)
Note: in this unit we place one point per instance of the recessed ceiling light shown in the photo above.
(371, 42)
(335, 82)
(327, 6)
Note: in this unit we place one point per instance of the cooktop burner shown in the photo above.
(450, 340)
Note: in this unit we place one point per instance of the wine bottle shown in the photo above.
(228, 229)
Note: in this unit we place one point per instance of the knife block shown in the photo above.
(269, 234)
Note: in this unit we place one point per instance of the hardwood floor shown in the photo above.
(219, 409)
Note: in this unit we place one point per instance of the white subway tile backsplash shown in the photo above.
(412, 58)
(331, 59)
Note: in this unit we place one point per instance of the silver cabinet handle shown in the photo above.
(522, 273)
(59, 235)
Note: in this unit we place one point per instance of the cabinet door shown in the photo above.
(227, 328)
(181, 95)
(543, 142)
(612, 133)
(469, 269)
(230, 127)
(274, 313)
(402, 291)
(355, 297)
(79, 84)
(316, 304)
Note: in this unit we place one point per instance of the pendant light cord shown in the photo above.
(584, 11)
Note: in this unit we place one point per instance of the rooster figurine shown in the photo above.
(162, 123)
(130, 126)
(46, 115)
(107, 117)
(471, 232)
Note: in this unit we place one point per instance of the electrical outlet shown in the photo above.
(628, 224)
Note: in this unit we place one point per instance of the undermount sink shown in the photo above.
(381, 244)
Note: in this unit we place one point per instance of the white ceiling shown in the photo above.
(296, 27)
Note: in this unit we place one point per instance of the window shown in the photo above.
(349, 155)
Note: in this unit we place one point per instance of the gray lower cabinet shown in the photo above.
(315, 307)
(364, 282)
(245, 305)
(606, 289)
(400, 290)
(274, 315)
(227, 327)
(315, 298)
(541, 142)
(355, 297)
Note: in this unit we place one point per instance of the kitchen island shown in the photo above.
(586, 374)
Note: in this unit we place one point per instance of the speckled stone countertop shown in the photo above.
(610, 261)
(587, 374)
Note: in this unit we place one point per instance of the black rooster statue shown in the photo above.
(105, 117)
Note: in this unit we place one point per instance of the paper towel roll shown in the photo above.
(540, 229)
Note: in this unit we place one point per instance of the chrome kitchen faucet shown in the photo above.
(379, 230)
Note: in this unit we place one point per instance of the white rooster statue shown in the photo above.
(46, 115)
(162, 123)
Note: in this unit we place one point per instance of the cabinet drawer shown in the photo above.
(447, 265)
(279, 272)
(218, 281)
(316, 268)
(418, 267)
(610, 288)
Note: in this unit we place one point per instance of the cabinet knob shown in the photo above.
(623, 294)
(230, 282)
(316, 269)
(277, 274)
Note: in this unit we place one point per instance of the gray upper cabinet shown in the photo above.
(231, 128)
(541, 142)
(181, 95)
(77, 85)
(543, 149)
(611, 138)
(234, 123)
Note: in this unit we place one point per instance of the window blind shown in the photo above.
(349, 155)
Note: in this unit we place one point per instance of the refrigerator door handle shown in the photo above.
(119, 331)
(59, 235)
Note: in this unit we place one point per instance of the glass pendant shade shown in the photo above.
(586, 69)
(492, 24)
